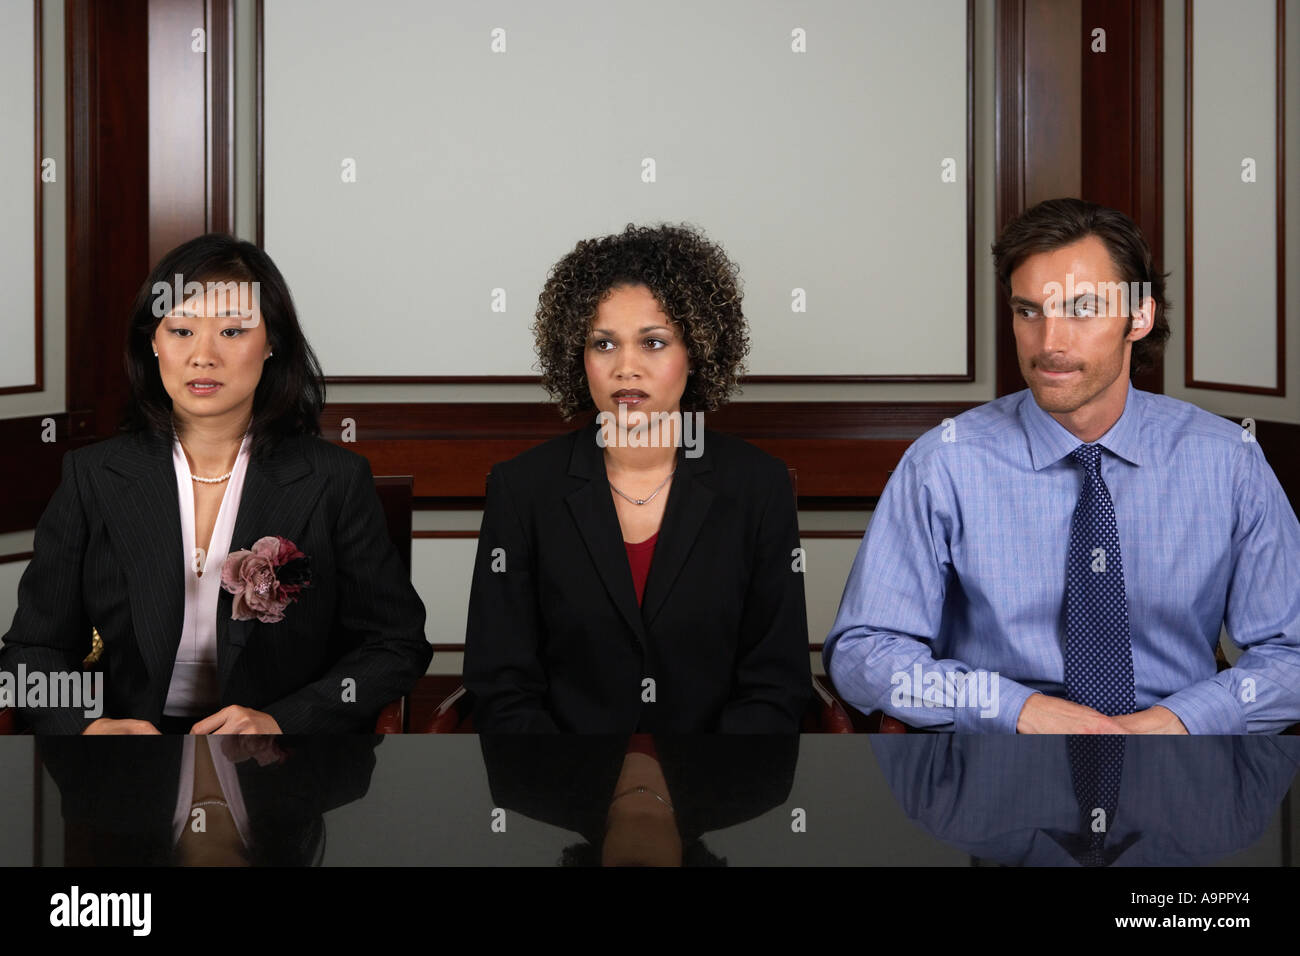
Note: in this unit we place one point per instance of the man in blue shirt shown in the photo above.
(1062, 560)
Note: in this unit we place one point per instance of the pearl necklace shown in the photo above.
(212, 481)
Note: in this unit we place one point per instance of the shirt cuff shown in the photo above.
(1003, 714)
(1207, 707)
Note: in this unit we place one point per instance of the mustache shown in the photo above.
(1049, 364)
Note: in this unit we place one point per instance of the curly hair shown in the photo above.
(692, 279)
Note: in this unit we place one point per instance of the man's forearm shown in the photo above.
(877, 670)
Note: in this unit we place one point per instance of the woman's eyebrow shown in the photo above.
(641, 331)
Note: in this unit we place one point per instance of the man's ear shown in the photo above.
(1144, 320)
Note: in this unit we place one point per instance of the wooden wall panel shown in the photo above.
(1073, 122)
(108, 198)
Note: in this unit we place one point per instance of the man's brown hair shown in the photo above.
(1056, 223)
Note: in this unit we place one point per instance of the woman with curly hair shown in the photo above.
(629, 579)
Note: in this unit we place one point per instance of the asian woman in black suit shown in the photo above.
(568, 630)
(312, 626)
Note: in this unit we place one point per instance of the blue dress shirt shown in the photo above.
(956, 598)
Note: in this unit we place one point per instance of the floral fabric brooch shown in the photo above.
(266, 579)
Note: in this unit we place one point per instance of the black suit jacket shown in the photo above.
(108, 554)
(556, 640)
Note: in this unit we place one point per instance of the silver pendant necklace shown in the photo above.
(646, 500)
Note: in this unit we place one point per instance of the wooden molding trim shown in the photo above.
(119, 209)
(841, 450)
(259, 124)
(1010, 159)
(220, 115)
(179, 129)
(843, 460)
(843, 469)
(38, 341)
(1120, 93)
(108, 197)
(191, 121)
(1122, 107)
(535, 421)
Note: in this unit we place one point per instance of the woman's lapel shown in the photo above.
(597, 521)
(280, 492)
(142, 514)
(689, 500)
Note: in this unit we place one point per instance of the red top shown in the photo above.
(638, 558)
(642, 744)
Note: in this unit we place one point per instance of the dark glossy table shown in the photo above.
(921, 800)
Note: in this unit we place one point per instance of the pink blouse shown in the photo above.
(193, 691)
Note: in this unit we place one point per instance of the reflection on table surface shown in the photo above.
(647, 801)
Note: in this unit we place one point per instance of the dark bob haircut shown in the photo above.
(696, 285)
(1056, 223)
(291, 392)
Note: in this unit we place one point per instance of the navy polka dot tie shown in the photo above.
(1096, 766)
(1098, 653)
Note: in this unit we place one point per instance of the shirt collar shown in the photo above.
(1050, 441)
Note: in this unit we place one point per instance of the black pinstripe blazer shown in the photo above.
(108, 554)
